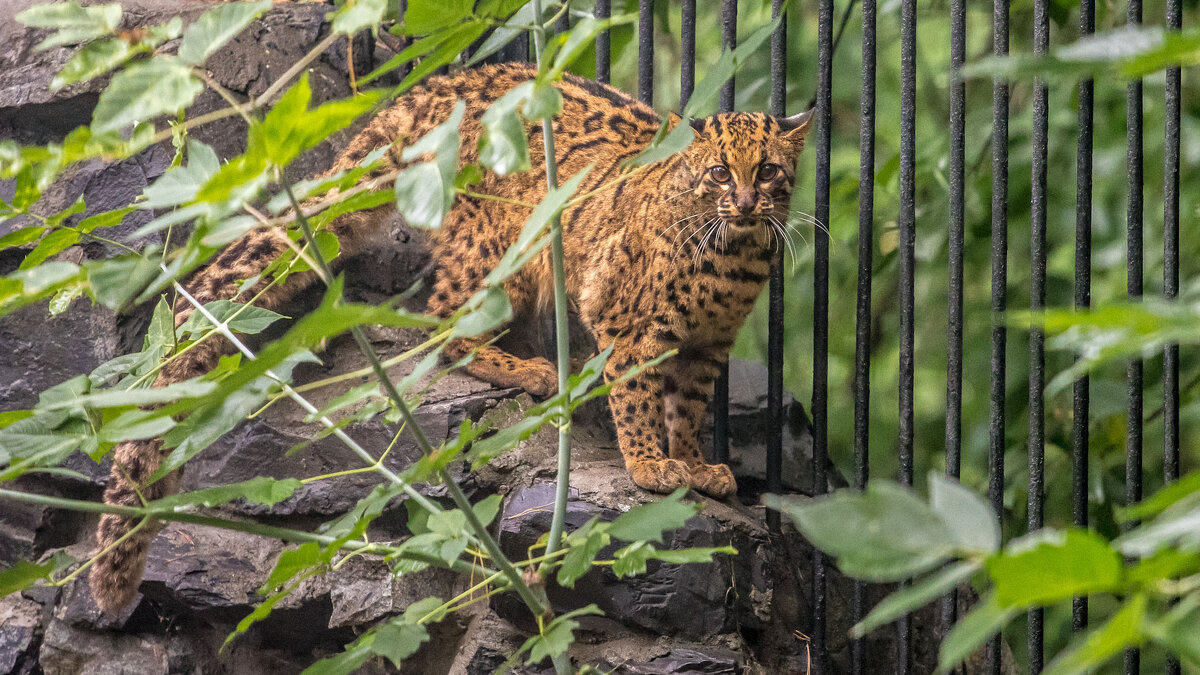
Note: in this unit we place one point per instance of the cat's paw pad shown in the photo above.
(714, 480)
(539, 377)
(661, 475)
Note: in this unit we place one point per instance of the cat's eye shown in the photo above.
(720, 174)
(768, 172)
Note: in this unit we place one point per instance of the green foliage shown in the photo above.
(1040, 569)
(216, 27)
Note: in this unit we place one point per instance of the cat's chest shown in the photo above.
(711, 299)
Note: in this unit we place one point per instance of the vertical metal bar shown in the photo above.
(646, 51)
(954, 331)
(603, 44)
(774, 464)
(687, 47)
(1037, 301)
(820, 369)
(1171, 270)
(906, 221)
(721, 391)
(1000, 10)
(1081, 393)
(728, 41)
(1133, 281)
(862, 314)
(1171, 253)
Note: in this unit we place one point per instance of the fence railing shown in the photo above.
(909, 312)
(905, 216)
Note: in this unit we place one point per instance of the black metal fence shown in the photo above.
(908, 311)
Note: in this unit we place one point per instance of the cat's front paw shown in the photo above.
(660, 475)
(714, 480)
(538, 377)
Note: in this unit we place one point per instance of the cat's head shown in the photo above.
(743, 165)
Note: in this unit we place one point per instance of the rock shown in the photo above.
(21, 623)
(691, 601)
(211, 573)
(686, 661)
(66, 649)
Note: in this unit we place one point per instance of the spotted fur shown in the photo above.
(673, 257)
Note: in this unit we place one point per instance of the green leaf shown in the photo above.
(1168, 496)
(290, 127)
(356, 15)
(425, 191)
(180, 184)
(425, 16)
(557, 636)
(258, 490)
(292, 562)
(116, 281)
(487, 508)
(51, 244)
(22, 236)
(134, 424)
(984, 621)
(895, 535)
(1177, 630)
(1097, 646)
(503, 146)
(1047, 566)
(345, 663)
(504, 34)
(73, 22)
(25, 574)
(530, 241)
(675, 141)
(582, 546)
(216, 27)
(648, 521)
(632, 559)
(92, 60)
(143, 91)
(398, 640)
(1178, 526)
(913, 597)
(487, 314)
(976, 528)
(240, 317)
(211, 420)
(352, 396)
(104, 219)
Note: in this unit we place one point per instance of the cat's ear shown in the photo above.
(795, 128)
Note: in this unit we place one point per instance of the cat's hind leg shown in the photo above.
(687, 388)
(464, 263)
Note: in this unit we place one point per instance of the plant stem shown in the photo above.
(562, 492)
(561, 327)
(271, 531)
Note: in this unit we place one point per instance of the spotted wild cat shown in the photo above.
(671, 258)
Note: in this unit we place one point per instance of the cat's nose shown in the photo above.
(744, 200)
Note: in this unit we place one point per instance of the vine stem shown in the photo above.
(250, 527)
(539, 607)
(562, 492)
(561, 327)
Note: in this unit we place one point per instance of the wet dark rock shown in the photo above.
(685, 661)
